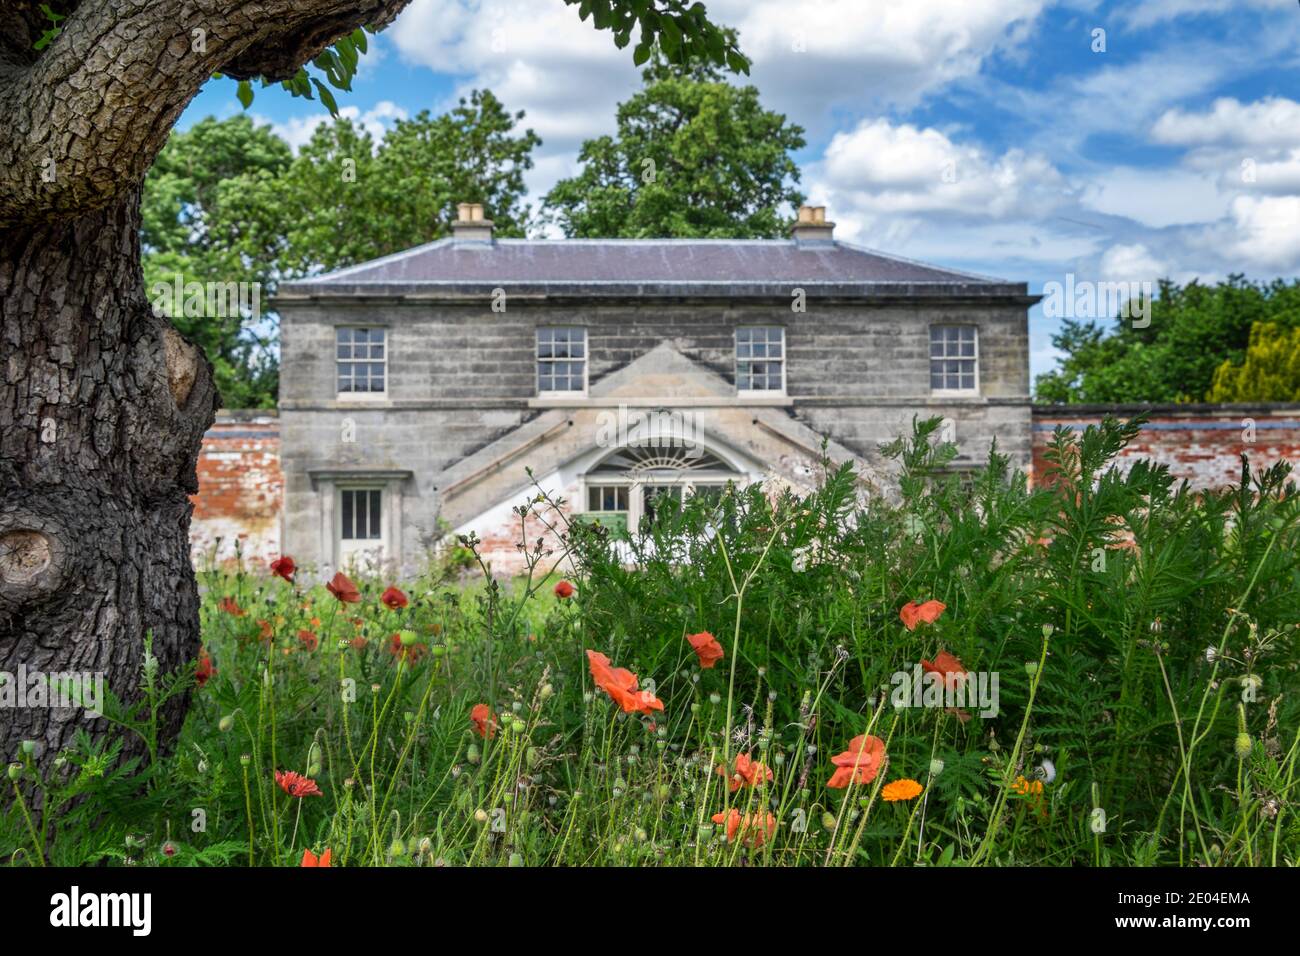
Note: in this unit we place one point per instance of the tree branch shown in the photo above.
(86, 118)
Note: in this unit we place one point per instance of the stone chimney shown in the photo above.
(812, 226)
(470, 226)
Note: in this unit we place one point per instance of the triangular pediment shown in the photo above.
(664, 374)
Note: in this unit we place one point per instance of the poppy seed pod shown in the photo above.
(15, 771)
(936, 767)
(29, 747)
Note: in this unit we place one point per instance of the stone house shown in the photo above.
(417, 389)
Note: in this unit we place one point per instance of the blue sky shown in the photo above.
(1005, 137)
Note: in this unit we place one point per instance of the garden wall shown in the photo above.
(241, 490)
(1199, 443)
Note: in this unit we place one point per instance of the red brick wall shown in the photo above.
(1199, 443)
(241, 490)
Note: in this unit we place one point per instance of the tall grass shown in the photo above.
(1143, 636)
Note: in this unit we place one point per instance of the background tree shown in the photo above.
(1193, 330)
(103, 403)
(694, 157)
(1270, 372)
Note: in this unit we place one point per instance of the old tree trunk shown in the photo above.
(102, 404)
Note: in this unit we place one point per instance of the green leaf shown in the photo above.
(641, 53)
(244, 91)
(326, 97)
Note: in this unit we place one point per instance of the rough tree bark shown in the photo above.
(103, 404)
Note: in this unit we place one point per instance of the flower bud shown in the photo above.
(1242, 746)
(480, 816)
(828, 820)
(226, 724)
(546, 692)
(472, 754)
(29, 747)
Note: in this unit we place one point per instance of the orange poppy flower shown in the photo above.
(749, 773)
(308, 640)
(706, 648)
(904, 789)
(621, 685)
(296, 785)
(753, 828)
(912, 613)
(394, 599)
(311, 859)
(950, 668)
(231, 606)
(341, 587)
(564, 590)
(485, 724)
(267, 633)
(859, 764)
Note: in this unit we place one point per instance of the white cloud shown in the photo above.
(1131, 263)
(1156, 197)
(297, 130)
(882, 168)
(1265, 231)
(1148, 13)
(1274, 121)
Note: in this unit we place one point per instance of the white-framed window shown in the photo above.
(561, 360)
(361, 514)
(361, 361)
(760, 359)
(954, 358)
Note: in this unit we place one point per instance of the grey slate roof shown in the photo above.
(645, 267)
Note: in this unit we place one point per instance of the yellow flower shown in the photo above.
(904, 789)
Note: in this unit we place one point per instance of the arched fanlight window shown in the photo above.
(660, 459)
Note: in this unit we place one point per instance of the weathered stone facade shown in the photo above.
(459, 418)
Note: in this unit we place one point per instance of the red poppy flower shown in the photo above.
(621, 685)
(949, 667)
(564, 590)
(394, 599)
(706, 648)
(480, 715)
(358, 643)
(296, 785)
(753, 828)
(284, 567)
(311, 859)
(308, 640)
(749, 773)
(860, 763)
(912, 613)
(205, 669)
(342, 588)
(230, 606)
